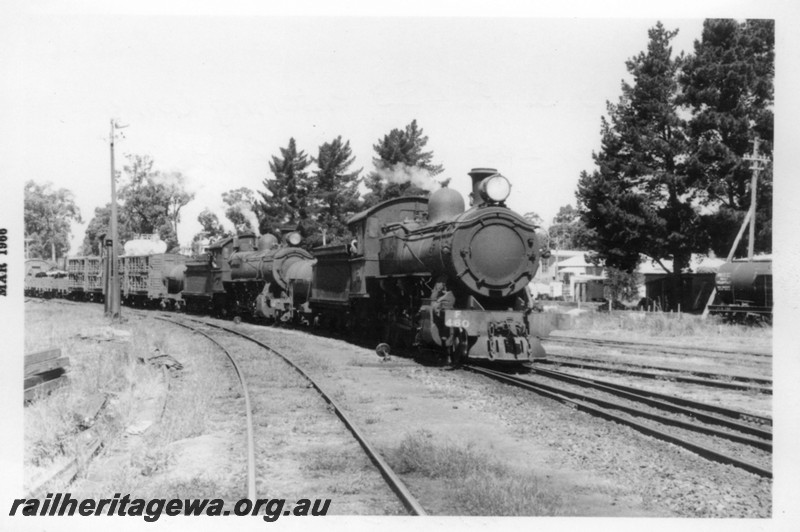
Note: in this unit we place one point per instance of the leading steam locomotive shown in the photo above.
(428, 272)
(419, 272)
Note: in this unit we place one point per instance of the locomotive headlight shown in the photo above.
(294, 239)
(495, 188)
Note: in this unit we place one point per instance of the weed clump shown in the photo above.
(476, 483)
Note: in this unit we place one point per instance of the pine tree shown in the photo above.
(286, 200)
(728, 86)
(401, 167)
(335, 190)
(639, 200)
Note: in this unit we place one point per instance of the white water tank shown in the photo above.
(145, 246)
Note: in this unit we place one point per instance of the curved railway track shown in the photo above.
(251, 453)
(733, 431)
(391, 478)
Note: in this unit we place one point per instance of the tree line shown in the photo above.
(311, 194)
(672, 176)
(315, 195)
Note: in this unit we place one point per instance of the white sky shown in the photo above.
(216, 97)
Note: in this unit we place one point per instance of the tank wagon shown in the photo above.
(431, 273)
(744, 289)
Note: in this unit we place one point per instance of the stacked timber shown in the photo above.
(44, 371)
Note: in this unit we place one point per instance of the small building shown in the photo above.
(696, 284)
(566, 275)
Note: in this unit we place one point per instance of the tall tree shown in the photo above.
(99, 225)
(335, 189)
(152, 200)
(639, 199)
(286, 199)
(142, 202)
(402, 168)
(212, 228)
(48, 214)
(240, 209)
(728, 85)
(173, 185)
(534, 218)
(568, 231)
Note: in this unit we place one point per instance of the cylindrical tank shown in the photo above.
(145, 246)
(269, 265)
(748, 282)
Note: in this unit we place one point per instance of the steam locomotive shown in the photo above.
(428, 272)
(419, 272)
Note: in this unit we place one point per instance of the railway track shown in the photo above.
(706, 352)
(251, 454)
(689, 417)
(411, 504)
(716, 380)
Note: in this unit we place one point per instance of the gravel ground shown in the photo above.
(631, 474)
(595, 467)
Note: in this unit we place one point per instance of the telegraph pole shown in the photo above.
(113, 295)
(756, 161)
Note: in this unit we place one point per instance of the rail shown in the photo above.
(581, 402)
(251, 455)
(392, 479)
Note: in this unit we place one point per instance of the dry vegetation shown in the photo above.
(476, 483)
(677, 327)
(115, 361)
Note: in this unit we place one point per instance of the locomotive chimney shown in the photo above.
(478, 175)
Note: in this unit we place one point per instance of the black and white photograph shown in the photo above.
(335, 266)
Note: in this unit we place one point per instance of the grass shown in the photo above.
(326, 461)
(661, 324)
(117, 369)
(97, 367)
(475, 483)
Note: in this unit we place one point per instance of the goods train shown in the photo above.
(423, 272)
(744, 289)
